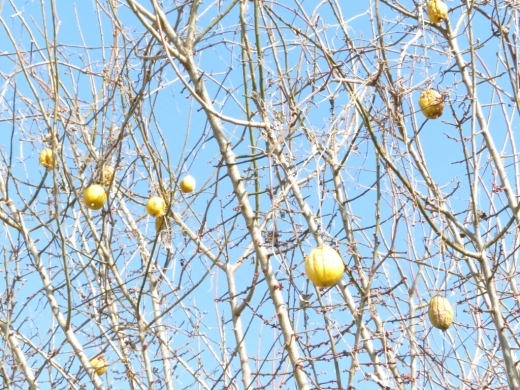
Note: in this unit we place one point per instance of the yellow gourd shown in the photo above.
(99, 363)
(160, 223)
(187, 184)
(324, 266)
(440, 312)
(95, 197)
(106, 175)
(156, 206)
(47, 159)
(437, 11)
(431, 103)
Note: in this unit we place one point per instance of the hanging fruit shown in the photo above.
(187, 184)
(106, 175)
(440, 312)
(47, 158)
(95, 197)
(99, 363)
(431, 103)
(156, 206)
(324, 266)
(437, 11)
(160, 223)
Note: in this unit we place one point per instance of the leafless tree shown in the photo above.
(300, 122)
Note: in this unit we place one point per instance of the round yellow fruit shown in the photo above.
(95, 197)
(156, 206)
(187, 184)
(324, 266)
(431, 103)
(47, 158)
(437, 11)
(440, 312)
(106, 175)
(100, 365)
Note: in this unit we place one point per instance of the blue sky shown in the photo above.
(170, 125)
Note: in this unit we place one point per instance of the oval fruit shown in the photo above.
(47, 158)
(99, 363)
(440, 312)
(187, 184)
(160, 223)
(95, 197)
(437, 11)
(156, 207)
(431, 103)
(106, 175)
(324, 266)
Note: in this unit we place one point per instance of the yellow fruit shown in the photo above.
(160, 223)
(106, 175)
(47, 159)
(437, 11)
(95, 197)
(440, 312)
(431, 103)
(156, 207)
(187, 184)
(324, 266)
(99, 363)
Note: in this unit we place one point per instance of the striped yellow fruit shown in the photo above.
(187, 184)
(437, 11)
(156, 206)
(440, 312)
(100, 365)
(47, 159)
(95, 197)
(160, 223)
(106, 175)
(431, 103)
(324, 266)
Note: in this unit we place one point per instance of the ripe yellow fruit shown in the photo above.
(440, 312)
(187, 184)
(431, 103)
(106, 175)
(95, 197)
(100, 365)
(324, 266)
(156, 206)
(160, 223)
(437, 11)
(47, 159)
